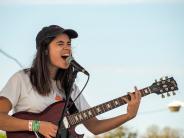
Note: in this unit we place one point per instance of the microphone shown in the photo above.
(70, 60)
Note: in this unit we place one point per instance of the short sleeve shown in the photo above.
(81, 102)
(11, 90)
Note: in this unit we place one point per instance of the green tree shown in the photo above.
(151, 132)
(120, 132)
(167, 132)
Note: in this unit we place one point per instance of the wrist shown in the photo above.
(129, 117)
(30, 123)
(34, 125)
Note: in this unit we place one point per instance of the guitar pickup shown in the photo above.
(66, 123)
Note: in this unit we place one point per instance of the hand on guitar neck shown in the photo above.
(133, 103)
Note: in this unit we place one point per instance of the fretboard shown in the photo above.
(99, 109)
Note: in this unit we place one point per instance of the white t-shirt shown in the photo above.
(24, 98)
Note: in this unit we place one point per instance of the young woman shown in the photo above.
(43, 84)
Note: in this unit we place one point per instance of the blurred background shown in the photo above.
(122, 43)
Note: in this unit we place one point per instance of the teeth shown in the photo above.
(66, 54)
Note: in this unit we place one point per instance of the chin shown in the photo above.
(64, 67)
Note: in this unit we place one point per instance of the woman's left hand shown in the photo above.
(133, 104)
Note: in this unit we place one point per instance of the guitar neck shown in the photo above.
(102, 108)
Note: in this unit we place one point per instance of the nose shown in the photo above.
(67, 47)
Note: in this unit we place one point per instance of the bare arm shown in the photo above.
(9, 123)
(100, 126)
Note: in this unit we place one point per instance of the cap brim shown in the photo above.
(71, 33)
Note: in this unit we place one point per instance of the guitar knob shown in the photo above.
(173, 93)
(172, 88)
(168, 94)
(163, 96)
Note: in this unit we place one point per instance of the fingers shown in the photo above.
(134, 96)
(125, 99)
(137, 94)
(133, 103)
(51, 134)
(48, 129)
(53, 131)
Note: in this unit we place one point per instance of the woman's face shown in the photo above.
(59, 49)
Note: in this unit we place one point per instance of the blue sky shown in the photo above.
(121, 44)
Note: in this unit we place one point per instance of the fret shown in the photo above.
(73, 118)
(142, 93)
(116, 103)
(102, 108)
(121, 101)
(98, 109)
(145, 92)
(94, 111)
(79, 119)
(108, 106)
(85, 115)
(76, 118)
(74, 121)
(112, 104)
(70, 120)
(89, 113)
(80, 116)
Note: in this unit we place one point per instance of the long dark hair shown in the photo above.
(39, 72)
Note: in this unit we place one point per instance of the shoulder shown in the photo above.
(20, 75)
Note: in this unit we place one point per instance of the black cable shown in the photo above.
(80, 92)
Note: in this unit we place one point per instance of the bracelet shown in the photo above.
(30, 123)
(35, 125)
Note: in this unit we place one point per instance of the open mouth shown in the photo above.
(64, 57)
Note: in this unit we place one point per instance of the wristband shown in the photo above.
(35, 125)
(30, 123)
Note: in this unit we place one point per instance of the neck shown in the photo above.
(52, 71)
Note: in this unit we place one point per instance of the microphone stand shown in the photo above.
(62, 131)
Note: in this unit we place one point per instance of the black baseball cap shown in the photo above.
(53, 31)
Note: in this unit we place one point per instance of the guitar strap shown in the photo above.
(72, 109)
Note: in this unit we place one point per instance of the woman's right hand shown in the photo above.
(48, 129)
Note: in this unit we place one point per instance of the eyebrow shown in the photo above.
(62, 42)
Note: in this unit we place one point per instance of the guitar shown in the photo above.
(53, 112)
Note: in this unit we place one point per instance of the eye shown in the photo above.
(60, 44)
(69, 44)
